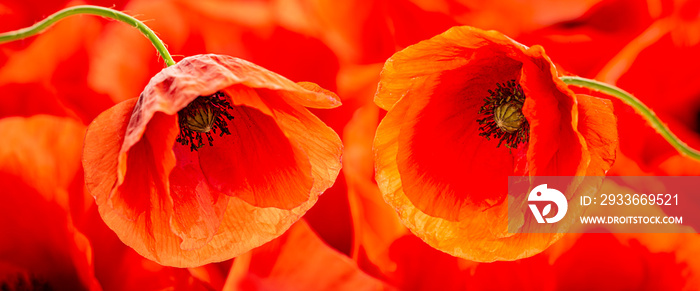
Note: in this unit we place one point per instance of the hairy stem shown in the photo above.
(91, 10)
(640, 108)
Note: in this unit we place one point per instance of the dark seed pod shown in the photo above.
(509, 116)
(503, 117)
(202, 119)
(203, 116)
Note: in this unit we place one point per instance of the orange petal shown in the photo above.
(319, 142)
(199, 206)
(598, 125)
(44, 153)
(412, 66)
(552, 112)
(331, 101)
(257, 162)
(101, 151)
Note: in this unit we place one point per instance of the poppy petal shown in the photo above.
(320, 143)
(598, 125)
(45, 153)
(552, 112)
(325, 100)
(199, 208)
(444, 52)
(101, 150)
(275, 173)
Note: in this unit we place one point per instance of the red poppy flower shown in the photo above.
(454, 101)
(216, 157)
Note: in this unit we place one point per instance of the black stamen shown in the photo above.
(503, 118)
(203, 116)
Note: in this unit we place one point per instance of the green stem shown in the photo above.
(92, 10)
(642, 109)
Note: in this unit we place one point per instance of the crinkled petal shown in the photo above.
(598, 125)
(198, 206)
(556, 148)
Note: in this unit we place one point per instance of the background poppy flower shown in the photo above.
(623, 261)
(48, 75)
(665, 87)
(47, 239)
(40, 246)
(592, 261)
(124, 61)
(509, 17)
(445, 179)
(298, 260)
(603, 30)
(186, 205)
(362, 32)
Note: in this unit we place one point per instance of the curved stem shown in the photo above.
(92, 10)
(640, 108)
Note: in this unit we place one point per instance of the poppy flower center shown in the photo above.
(504, 119)
(203, 116)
